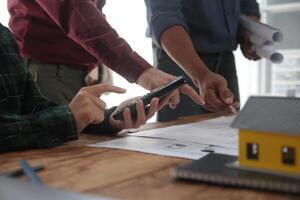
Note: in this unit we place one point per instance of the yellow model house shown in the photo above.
(269, 135)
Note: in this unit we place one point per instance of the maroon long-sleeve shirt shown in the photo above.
(71, 32)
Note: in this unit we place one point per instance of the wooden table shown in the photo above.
(122, 174)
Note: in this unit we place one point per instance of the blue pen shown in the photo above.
(30, 173)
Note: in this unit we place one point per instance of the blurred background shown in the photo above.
(255, 78)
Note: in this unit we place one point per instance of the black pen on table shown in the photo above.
(30, 173)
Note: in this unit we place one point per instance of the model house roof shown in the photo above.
(270, 114)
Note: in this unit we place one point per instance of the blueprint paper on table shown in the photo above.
(191, 141)
(210, 132)
(165, 147)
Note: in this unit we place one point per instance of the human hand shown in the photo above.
(142, 116)
(154, 78)
(87, 107)
(246, 45)
(217, 96)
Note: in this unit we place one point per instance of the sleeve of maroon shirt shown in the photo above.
(87, 26)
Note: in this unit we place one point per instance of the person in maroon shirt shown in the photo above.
(62, 40)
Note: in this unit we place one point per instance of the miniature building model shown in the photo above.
(269, 134)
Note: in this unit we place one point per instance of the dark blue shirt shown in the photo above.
(211, 24)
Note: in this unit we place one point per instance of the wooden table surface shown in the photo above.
(122, 174)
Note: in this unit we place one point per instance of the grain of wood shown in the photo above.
(122, 174)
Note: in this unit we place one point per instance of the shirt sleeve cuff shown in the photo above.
(60, 120)
(136, 65)
(250, 7)
(103, 128)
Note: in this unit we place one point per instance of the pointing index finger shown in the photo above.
(189, 91)
(99, 89)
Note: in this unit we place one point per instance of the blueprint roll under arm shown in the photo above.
(268, 52)
(263, 37)
(262, 30)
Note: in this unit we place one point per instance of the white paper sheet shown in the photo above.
(210, 132)
(165, 147)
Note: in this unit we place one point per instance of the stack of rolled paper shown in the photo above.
(263, 37)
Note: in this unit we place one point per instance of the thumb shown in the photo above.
(99, 89)
(226, 95)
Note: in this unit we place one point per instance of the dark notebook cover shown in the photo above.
(212, 169)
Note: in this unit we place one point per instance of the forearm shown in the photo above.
(178, 45)
(48, 128)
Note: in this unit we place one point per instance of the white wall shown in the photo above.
(3, 12)
(247, 72)
(131, 26)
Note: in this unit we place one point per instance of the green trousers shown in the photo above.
(59, 83)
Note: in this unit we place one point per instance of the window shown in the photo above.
(288, 155)
(282, 79)
(252, 151)
(4, 16)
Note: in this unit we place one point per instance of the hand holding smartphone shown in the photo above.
(159, 93)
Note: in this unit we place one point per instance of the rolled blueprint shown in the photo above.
(268, 52)
(258, 41)
(262, 30)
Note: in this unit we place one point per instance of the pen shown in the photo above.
(232, 109)
(29, 172)
(20, 172)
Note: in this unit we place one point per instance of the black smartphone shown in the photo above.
(159, 93)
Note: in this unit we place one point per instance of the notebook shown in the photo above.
(213, 169)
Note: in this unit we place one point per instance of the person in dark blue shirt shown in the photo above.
(197, 37)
